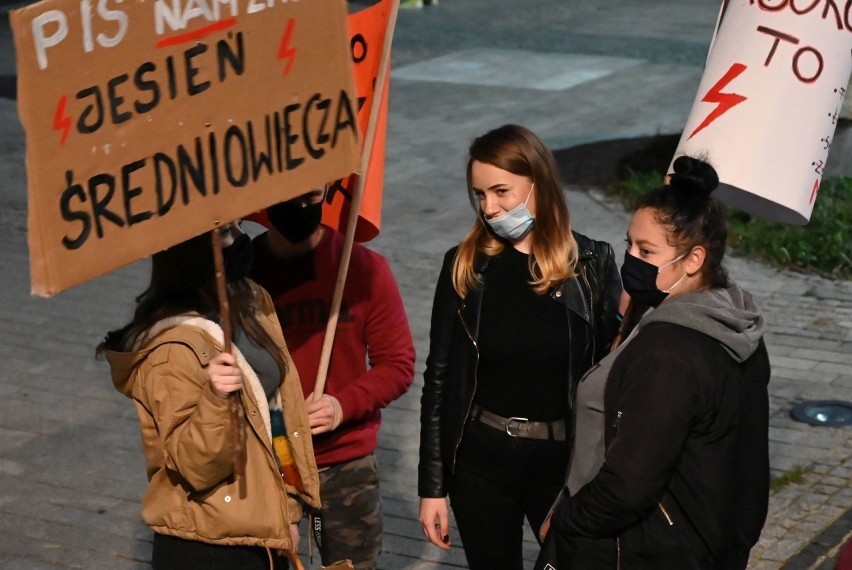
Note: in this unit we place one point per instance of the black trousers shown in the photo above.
(173, 553)
(500, 480)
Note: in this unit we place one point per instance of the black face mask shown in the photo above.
(294, 220)
(238, 258)
(640, 281)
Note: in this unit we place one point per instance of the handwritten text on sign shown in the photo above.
(150, 122)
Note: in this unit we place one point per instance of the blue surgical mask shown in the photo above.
(514, 224)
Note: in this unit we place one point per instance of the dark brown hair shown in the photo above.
(183, 281)
(691, 215)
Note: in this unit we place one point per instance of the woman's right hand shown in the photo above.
(225, 375)
(435, 520)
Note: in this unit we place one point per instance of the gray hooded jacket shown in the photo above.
(684, 482)
(727, 315)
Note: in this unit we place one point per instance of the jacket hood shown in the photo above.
(187, 330)
(727, 315)
(122, 366)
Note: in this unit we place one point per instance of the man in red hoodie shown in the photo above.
(371, 365)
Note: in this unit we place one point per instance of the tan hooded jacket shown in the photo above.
(186, 438)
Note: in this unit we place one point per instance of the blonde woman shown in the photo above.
(523, 307)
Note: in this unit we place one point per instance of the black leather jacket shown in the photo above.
(591, 305)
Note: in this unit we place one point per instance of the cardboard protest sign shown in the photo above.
(768, 103)
(367, 29)
(149, 122)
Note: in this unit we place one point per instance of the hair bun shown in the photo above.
(694, 175)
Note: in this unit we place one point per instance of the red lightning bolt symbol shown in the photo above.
(725, 100)
(284, 50)
(814, 191)
(60, 120)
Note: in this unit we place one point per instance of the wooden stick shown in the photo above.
(294, 559)
(355, 206)
(225, 322)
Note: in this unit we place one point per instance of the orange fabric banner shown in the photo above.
(367, 36)
(367, 30)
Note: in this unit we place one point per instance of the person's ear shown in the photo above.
(694, 260)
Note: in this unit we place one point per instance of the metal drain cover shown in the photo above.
(831, 413)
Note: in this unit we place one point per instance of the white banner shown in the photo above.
(769, 101)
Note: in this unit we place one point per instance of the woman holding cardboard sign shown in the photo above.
(170, 361)
(523, 307)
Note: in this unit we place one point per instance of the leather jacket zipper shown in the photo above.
(475, 382)
(665, 513)
(591, 309)
(618, 552)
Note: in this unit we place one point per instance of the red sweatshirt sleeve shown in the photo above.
(387, 336)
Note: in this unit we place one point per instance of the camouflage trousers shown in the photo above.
(351, 513)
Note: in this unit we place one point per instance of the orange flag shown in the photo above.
(367, 36)
(367, 30)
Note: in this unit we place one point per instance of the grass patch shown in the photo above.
(634, 184)
(792, 475)
(822, 246)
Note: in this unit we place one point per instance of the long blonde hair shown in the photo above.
(554, 251)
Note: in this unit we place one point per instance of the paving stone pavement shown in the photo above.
(71, 468)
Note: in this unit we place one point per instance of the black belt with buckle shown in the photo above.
(520, 427)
